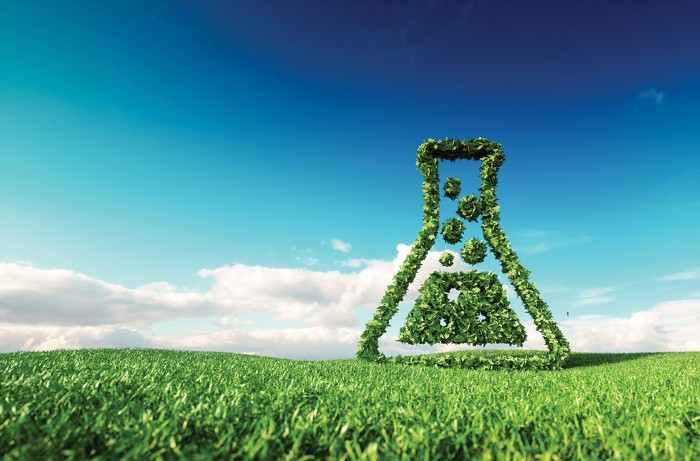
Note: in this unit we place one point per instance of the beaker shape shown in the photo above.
(480, 315)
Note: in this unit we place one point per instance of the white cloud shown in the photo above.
(15, 337)
(60, 297)
(354, 262)
(690, 274)
(230, 320)
(326, 299)
(669, 326)
(61, 308)
(652, 96)
(537, 248)
(340, 245)
(305, 256)
(539, 241)
(306, 260)
(311, 343)
(594, 296)
(536, 233)
(314, 297)
(49, 309)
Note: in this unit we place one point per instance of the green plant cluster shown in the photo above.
(453, 187)
(447, 259)
(479, 360)
(452, 230)
(473, 251)
(480, 315)
(492, 158)
(469, 207)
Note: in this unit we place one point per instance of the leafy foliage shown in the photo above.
(452, 230)
(481, 295)
(473, 251)
(452, 187)
(447, 259)
(170, 405)
(469, 207)
(492, 158)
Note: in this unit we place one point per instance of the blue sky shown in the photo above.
(241, 176)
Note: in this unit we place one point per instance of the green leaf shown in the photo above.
(452, 230)
(469, 208)
(452, 188)
(473, 251)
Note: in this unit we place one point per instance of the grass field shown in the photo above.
(158, 404)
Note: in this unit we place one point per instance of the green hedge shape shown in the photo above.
(492, 158)
(469, 208)
(473, 251)
(447, 259)
(452, 230)
(453, 187)
(436, 319)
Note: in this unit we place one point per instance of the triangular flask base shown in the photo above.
(480, 315)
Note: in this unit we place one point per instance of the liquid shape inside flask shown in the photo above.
(462, 307)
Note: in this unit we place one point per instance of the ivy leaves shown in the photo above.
(469, 208)
(473, 251)
(447, 259)
(453, 187)
(480, 315)
(452, 230)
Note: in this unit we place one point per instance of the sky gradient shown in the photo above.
(240, 176)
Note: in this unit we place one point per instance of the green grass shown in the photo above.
(157, 404)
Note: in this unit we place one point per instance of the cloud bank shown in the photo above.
(341, 246)
(294, 313)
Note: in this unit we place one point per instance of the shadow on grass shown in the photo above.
(592, 359)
